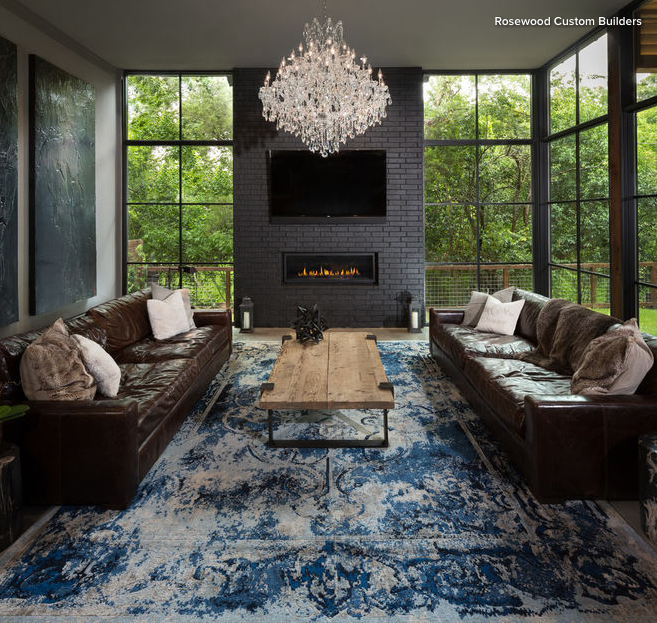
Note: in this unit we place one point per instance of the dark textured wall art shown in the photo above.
(8, 184)
(62, 188)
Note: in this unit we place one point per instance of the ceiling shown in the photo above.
(222, 34)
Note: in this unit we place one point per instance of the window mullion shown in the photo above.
(180, 184)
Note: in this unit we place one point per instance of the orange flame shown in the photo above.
(329, 272)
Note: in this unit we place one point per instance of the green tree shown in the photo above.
(452, 231)
(165, 108)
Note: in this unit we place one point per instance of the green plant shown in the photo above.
(11, 413)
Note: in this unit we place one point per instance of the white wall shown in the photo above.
(32, 40)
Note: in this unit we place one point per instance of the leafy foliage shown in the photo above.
(12, 412)
(459, 177)
(160, 176)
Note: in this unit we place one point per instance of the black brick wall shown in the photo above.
(399, 241)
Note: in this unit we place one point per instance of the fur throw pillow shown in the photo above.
(564, 330)
(614, 363)
(52, 368)
(576, 328)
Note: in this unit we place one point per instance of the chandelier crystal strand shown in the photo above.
(321, 94)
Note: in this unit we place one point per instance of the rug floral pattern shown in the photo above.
(438, 527)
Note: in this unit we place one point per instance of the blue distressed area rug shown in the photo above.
(438, 527)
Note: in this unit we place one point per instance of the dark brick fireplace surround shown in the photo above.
(398, 243)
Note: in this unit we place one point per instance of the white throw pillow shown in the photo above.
(100, 364)
(477, 303)
(168, 317)
(160, 293)
(500, 317)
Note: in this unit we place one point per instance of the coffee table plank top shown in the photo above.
(355, 371)
(343, 371)
(299, 375)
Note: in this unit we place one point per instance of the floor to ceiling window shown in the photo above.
(478, 180)
(179, 183)
(646, 169)
(579, 177)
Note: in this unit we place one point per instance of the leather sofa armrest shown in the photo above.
(445, 316)
(576, 405)
(78, 452)
(223, 317)
(581, 443)
(204, 317)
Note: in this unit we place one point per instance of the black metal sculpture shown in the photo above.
(309, 325)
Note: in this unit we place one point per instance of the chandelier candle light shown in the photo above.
(320, 94)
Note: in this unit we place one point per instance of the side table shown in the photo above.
(648, 485)
(11, 494)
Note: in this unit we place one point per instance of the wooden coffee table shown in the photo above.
(343, 371)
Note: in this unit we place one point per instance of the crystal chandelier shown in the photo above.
(321, 94)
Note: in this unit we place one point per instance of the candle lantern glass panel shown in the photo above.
(414, 316)
(246, 315)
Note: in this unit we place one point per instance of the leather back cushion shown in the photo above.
(86, 327)
(649, 383)
(11, 351)
(526, 326)
(125, 320)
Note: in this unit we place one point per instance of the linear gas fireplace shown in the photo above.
(330, 268)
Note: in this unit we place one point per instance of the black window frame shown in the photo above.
(477, 143)
(181, 266)
(546, 171)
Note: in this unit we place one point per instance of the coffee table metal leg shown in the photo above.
(270, 421)
(327, 443)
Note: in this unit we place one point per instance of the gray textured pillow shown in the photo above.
(477, 303)
(613, 363)
(100, 364)
(52, 369)
(160, 293)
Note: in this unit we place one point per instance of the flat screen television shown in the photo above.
(344, 187)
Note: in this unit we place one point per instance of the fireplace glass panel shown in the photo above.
(329, 268)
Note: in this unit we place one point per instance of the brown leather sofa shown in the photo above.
(98, 451)
(566, 446)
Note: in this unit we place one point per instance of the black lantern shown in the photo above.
(414, 316)
(246, 315)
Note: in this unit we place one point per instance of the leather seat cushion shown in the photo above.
(461, 343)
(200, 344)
(504, 383)
(156, 387)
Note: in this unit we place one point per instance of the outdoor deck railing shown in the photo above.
(210, 286)
(450, 285)
(446, 285)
